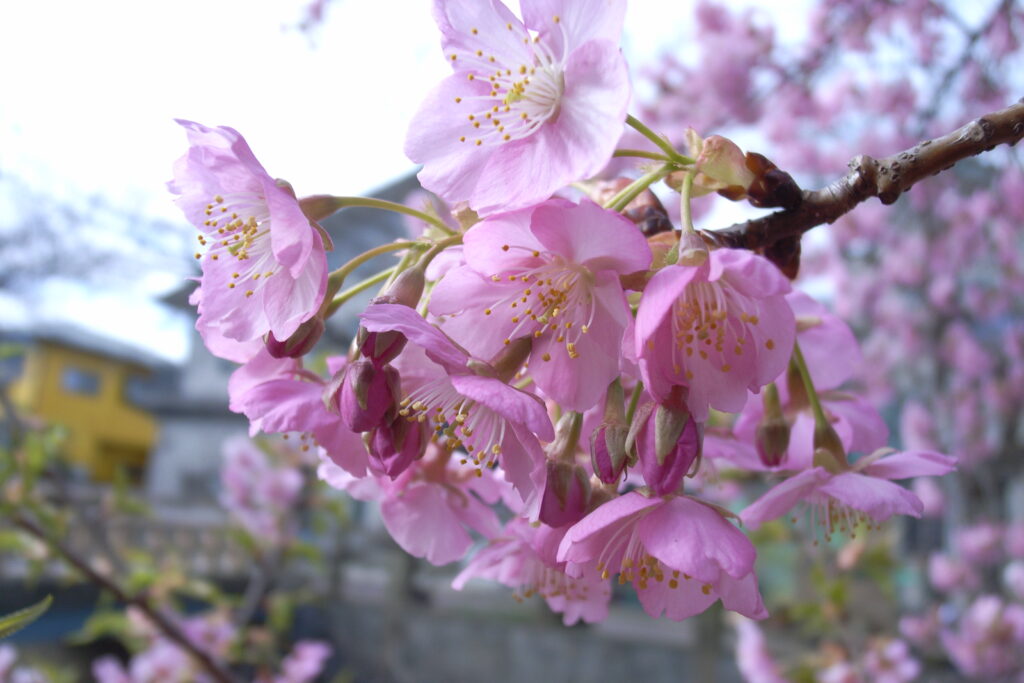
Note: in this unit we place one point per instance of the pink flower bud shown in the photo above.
(608, 452)
(366, 396)
(828, 448)
(566, 494)
(772, 433)
(395, 446)
(300, 343)
(383, 347)
(668, 442)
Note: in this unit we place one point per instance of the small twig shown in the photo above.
(885, 178)
(216, 669)
(972, 37)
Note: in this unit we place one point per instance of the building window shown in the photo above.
(78, 381)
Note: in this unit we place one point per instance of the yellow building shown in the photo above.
(83, 388)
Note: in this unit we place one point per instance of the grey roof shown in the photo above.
(75, 337)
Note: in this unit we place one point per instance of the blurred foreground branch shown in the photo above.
(216, 669)
(885, 178)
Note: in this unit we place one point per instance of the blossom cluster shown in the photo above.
(563, 360)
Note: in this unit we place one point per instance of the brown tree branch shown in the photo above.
(172, 631)
(885, 178)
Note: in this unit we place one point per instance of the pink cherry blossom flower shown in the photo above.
(532, 105)
(258, 493)
(988, 640)
(864, 492)
(551, 273)
(304, 663)
(664, 475)
(279, 396)
(949, 574)
(722, 329)
(522, 557)
(890, 661)
(429, 508)
(492, 421)
(264, 266)
(680, 555)
(982, 543)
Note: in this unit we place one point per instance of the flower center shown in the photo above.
(713, 325)
(525, 88)
(238, 239)
(457, 421)
(828, 516)
(635, 565)
(553, 298)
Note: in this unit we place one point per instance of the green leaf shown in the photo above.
(14, 622)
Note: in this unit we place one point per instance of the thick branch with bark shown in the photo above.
(885, 178)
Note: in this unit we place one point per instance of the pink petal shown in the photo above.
(424, 525)
(695, 539)
(880, 499)
(440, 349)
(907, 464)
(781, 498)
(684, 601)
(743, 596)
(591, 236)
(829, 347)
(587, 538)
(578, 21)
(512, 404)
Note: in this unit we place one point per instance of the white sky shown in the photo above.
(90, 88)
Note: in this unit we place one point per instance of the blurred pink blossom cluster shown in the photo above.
(258, 492)
(161, 660)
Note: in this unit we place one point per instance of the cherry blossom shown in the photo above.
(532, 105)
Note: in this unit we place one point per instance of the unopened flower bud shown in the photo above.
(828, 448)
(566, 494)
(319, 206)
(772, 439)
(608, 452)
(772, 433)
(301, 342)
(366, 395)
(396, 445)
(668, 443)
(384, 347)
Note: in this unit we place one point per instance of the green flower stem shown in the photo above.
(370, 203)
(685, 194)
(337, 277)
(634, 400)
(633, 190)
(363, 285)
(644, 154)
(437, 248)
(661, 142)
(567, 450)
(820, 420)
(408, 259)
